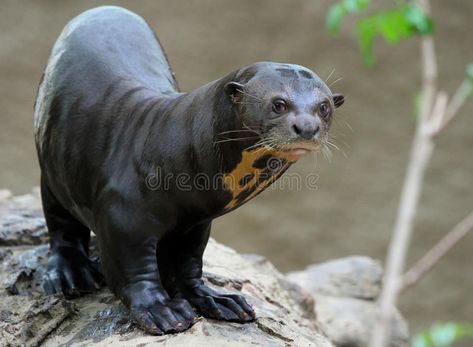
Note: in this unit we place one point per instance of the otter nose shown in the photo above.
(306, 133)
(306, 127)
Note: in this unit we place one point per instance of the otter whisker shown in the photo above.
(327, 153)
(343, 120)
(237, 139)
(236, 131)
(328, 142)
(252, 127)
(338, 148)
(260, 149)
(337, 80)
(262, 143)
(256, 145)
(330, 75)
(249, 128)
(337, 120)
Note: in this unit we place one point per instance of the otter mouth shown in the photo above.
(299, 149)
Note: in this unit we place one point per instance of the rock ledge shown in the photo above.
(285, 310)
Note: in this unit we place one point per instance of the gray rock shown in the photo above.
(100, 319)
(22, 270)
(21, 220)
(25, 321)
(5, 194)
(344, 309)
(20, 229)
(285, 311)
(345, 292)
(355, 277)
(348, 321)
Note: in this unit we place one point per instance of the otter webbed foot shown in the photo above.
(71, 273)
(154, 312)
(211, 304)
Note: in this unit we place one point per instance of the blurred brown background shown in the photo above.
(353, 210)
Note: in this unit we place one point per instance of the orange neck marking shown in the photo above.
(244, 176)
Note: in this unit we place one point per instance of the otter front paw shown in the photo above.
(211, 304)
(153, 310)
(71, 273)
(157, 319)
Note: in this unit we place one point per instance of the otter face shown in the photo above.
(288, 105)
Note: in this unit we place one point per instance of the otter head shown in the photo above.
(288, 106)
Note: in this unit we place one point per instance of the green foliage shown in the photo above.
(403, 21)
(393, 25)
(418, 19)
(340, 10)
(443, 335)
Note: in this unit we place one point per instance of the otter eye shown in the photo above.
(279, 106)
(324, 110)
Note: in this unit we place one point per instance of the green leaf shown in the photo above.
(340, 10)
(334, 18)
(418, 19)
(403, 21)
(389, 32)
(353, 6)
(469, 72)
(421, 340)
(464, 331)
(393, 25)
(443, 335)
(367, 31)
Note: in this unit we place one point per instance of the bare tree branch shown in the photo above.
(428, 66)
(436, 121)
(436, 253)
(421, 152)
(458, 99)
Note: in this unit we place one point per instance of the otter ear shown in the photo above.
(234, 90)
(338, 100)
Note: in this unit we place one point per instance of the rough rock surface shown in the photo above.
(21, 220)
(345, 291)
(285, 311)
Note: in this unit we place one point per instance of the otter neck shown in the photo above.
(248, 169)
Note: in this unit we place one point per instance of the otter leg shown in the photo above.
(130, 267)
(69, 270)
(189, 283)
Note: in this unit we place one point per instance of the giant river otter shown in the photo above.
(109, 114)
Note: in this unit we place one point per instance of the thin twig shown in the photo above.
(421, 152)
(428, 65)
(436, 120)
(458, 99)
(433, 256)
(429, 76)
